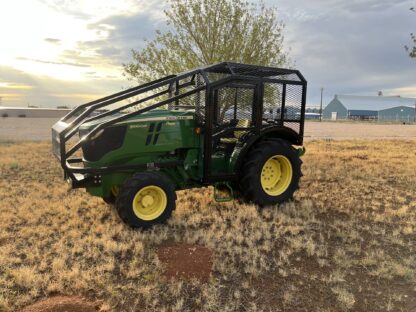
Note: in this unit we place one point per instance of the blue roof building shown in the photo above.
(384, 108)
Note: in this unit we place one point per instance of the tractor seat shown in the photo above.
(242, 123)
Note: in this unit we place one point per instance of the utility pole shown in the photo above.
(320, 109)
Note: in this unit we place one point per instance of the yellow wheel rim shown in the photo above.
(115, 190)
(276, 175)
(149, 202)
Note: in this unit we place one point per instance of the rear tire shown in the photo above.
(146, 199)
(271, 173)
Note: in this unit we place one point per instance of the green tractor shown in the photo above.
(236, 127)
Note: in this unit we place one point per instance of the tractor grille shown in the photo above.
(109, 140)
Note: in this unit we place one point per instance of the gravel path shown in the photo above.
(26, 129)
(355, 130)
(39, 129)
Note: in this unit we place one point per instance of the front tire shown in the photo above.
(146, 199)
(111, 199)
(271, 173)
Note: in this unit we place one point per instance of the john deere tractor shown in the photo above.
(236, 127)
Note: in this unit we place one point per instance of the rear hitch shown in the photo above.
(80, 180)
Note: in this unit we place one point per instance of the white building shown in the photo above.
(31, 112)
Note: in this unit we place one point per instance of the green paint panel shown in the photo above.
(159, 136)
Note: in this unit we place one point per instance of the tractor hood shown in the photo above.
(155, 115)
(98, 144)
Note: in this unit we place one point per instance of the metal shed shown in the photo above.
(398, 113)
(384, 108)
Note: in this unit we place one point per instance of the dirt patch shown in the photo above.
(62, 304)
(186, 261)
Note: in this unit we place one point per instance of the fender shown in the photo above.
(269, 133)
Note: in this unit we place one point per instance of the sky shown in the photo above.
(67, 52)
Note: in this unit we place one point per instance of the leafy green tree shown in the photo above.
(204, 32)
(412, 50)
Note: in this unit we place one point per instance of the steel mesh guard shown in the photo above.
(195, 101)
(272, 101)
(235, 98)
(234, 104)
(293, 105)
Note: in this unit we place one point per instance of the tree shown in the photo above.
(209, 31)
(412, 51)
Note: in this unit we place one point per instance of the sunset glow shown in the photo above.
(60, 52)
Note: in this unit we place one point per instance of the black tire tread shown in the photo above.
(250, 169)
(110, 200)
(130, 187)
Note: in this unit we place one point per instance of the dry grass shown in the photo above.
(346, 242)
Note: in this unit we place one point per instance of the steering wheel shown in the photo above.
(221, 127)
(226, 124)
(268, 120)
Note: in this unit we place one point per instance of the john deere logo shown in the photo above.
(153, 135)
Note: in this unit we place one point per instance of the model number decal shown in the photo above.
(178, 117)
(138, 126)
(168, 118)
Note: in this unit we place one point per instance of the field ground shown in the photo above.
(358, 130)
(39, 129)
(26, 129)
(346, 241)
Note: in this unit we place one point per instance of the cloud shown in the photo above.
(14, 85)
(51, 62)
(344, 46)
(49, 92)
(354, 47)
(123, 33)
(89, 69)
(366, 6)
(53, 40)
(66, 6)
(99, 9)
